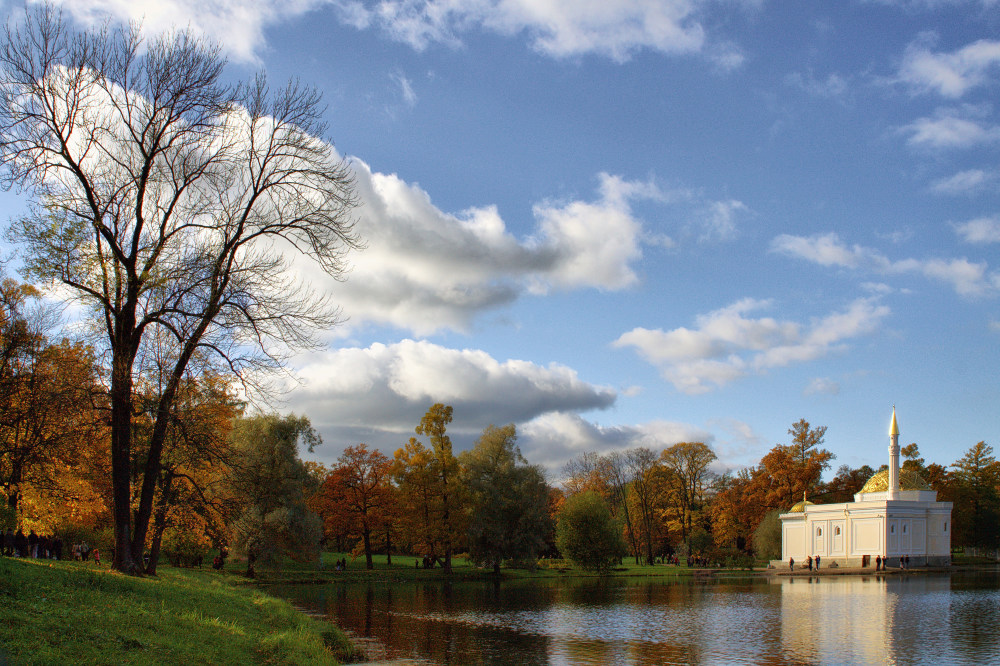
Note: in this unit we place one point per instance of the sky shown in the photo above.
(622, 223)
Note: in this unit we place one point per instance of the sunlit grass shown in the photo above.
(67, 612)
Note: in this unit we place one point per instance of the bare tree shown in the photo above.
(165, 200)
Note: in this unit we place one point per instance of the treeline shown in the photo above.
(228, 480)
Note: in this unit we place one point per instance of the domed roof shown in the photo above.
(800, 507)
(908, 480)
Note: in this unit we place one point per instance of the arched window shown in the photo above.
(819, 531)
(946, 526)
(892, 529)
(904, 528)
(836, 531)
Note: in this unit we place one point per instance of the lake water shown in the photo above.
(906, 619)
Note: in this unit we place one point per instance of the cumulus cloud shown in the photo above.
(551, 440)
(726, 345)
(344, 391)
(426, 270)
(952, 74)
(966, 277)
(236, 26)
(980, 230)
(615, 29)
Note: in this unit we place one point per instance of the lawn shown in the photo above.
(70, 612)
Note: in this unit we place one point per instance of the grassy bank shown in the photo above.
(404, 569)
(68, 612)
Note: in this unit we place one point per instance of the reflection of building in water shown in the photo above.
(895, 514)
(864, 619)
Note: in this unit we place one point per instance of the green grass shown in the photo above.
(403, 569)
(68, 612)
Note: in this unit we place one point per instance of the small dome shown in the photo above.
(800, 507)
(908, 480)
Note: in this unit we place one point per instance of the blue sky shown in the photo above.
(627, 222)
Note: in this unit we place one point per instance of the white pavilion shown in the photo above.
(895, 514)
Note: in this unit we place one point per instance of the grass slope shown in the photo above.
(68, 612)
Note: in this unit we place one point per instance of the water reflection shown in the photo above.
(843, 620)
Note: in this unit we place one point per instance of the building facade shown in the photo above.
(896, 514)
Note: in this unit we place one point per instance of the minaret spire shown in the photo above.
(893, 457)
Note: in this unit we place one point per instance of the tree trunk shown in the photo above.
(121, 458)
(366, 536)
(159, 526)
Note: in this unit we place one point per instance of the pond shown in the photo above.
(904, 619)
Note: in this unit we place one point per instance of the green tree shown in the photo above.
(977, 501)
(587, 534)
(508, 500)
(767, 536)
(269, 485)
(164, 200)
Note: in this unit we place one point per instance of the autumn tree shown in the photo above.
(189, 506)
(49, 399)
(845, 483)
(359, 487)
(508, 500)
(685, 477)
(446, 491)
(414, 479)
(588, 472)
(643, 495)
(165, 199)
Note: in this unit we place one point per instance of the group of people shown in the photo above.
(809, 563)
(33, 545)
(880, 562)
(43, 547)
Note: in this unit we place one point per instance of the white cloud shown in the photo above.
(551, 440)
(980, 230)
(725, 345)
(393, 385)
(966, 182)
(967, 278)
(238, 27)
(426, 270)
(560, 28)
(951, 128)
(949, 74)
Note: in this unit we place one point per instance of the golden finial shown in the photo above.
(893, 427)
